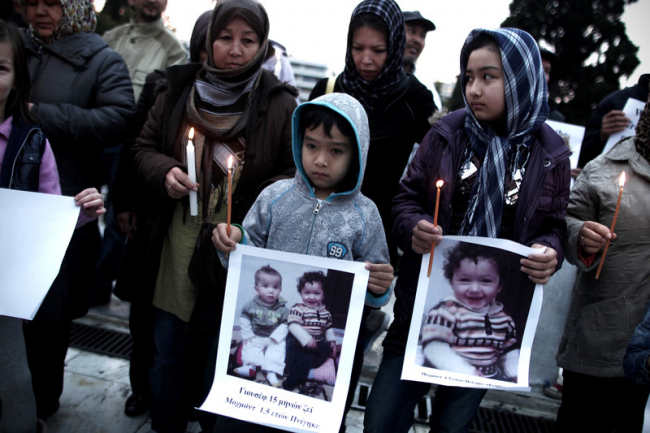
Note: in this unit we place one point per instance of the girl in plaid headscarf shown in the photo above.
(506, 175)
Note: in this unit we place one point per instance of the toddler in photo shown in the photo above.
(469, 332)
(311, 340)
(263, 323)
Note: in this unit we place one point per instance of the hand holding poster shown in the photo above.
(632, 110)
(285, 358)
(478, 313)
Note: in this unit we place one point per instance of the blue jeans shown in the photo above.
(170, 405)
(392, 402)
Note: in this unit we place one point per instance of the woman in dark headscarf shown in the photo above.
(81, 91)
(132, 213)
(397, 104)
(236, 108)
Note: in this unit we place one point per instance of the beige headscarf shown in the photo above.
(78, 17)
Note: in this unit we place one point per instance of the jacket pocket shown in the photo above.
(549, 193)
(603, 331)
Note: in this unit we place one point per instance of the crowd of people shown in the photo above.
(78, 110)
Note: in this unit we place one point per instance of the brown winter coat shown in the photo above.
(268, 156)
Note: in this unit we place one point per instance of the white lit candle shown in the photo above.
(191, 172)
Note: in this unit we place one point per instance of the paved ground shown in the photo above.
(96, 387)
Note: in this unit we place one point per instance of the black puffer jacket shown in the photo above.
(82, 93)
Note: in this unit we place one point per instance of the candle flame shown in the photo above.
(190, 135)
(229, 162)
(621, 180)
(440, 183)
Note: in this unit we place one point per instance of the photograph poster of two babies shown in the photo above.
(287, 319)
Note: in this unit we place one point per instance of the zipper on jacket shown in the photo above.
(313, 222)
(22, 146)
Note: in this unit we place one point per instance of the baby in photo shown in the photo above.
(263, 323)
(311, 341)
(469, 332)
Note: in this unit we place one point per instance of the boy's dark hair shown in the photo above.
(312, 277)
(313, 116)
(482, 41)
(18, 100)
(474, 252)
(370, 20)
(267, 270)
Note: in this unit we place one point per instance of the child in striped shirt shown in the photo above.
(311, 339)
(469, 332)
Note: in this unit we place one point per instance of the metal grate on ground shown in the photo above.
(487, 420)
(101, 340)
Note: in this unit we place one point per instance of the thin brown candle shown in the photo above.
(621, 183)
(229, 194)
(435, 223)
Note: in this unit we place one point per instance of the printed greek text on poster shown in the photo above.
(287, 341)
(474, 319)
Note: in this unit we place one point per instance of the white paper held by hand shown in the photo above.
(35, 230)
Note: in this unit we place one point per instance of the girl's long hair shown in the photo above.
(17, 101)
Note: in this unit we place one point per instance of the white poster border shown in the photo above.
(412, 370)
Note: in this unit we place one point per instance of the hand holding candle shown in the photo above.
(191, 173)
(435, 223)
(229, 195)
(621, 183)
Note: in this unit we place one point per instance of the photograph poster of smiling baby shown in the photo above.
(477, 313)
(287, 341)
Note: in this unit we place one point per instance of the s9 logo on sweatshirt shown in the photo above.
(336, 250)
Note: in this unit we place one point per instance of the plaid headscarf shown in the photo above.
(78, 17)
(526, 111)
(369, 93)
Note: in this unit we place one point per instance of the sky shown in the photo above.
(317, 30)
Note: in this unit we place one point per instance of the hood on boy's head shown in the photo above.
(353, 112)
(525, 85)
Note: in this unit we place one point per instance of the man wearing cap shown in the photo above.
(417, 28)
(549, 60)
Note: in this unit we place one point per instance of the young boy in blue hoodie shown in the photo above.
(322, 212)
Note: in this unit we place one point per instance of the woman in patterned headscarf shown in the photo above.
(397, 104)
(596, 395)
(236, 108)
(81, 91)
